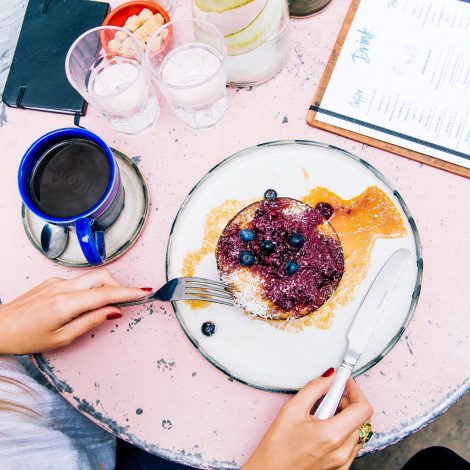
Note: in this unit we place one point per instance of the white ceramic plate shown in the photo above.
(251, 350)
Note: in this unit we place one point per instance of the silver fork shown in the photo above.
(187, 288)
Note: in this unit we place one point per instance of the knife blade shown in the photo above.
(362, 327)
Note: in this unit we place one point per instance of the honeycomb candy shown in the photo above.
(145, 15)
(120, 35)
(141, 35)
(132, 23)
(143, 26)
(158, 18)
(114, 45)
(128, 47)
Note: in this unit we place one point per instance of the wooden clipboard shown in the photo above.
(316, 103)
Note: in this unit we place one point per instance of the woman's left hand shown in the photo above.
(58, 311)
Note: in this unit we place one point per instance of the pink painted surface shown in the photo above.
(188, 410)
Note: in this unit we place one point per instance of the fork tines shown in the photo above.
(201, 280)
(205, 289)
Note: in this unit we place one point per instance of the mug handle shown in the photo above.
(91, 241)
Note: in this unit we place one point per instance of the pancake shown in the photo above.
(280, 257)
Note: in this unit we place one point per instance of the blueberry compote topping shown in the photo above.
(208, 328)
(302, 271)
(325, 210)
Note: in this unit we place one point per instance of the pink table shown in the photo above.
(142, 379)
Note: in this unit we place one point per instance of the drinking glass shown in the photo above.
(106, 65)
(168, 5)
(187, 59)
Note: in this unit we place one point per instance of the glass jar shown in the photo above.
(168, 5)
(256, 33)
(301, 8)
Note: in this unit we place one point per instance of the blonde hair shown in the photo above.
(7, 405)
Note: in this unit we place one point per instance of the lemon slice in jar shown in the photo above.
(219, 6)
(230, 20)
(258, 31)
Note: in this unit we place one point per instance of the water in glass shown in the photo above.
(194, 83)
(122, 90)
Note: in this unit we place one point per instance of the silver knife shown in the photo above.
(360, 331)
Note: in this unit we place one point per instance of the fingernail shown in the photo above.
(113, 316)
(328, 372)
(146, 289)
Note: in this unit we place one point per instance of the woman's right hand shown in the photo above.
(58, 311)
(296, 440)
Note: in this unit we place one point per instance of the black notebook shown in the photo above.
(37, 77)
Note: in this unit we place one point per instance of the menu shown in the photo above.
(403, 76)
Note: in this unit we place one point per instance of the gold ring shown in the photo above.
(365, 433)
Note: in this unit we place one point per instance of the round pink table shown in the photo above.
(141, 378)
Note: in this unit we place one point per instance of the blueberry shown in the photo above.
(267, 247)
(247, 235)
(208, 328)
(296, 240)
(246, 258)
(270, 194)
(291, 268)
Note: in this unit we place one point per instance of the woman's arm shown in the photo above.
(296, 440)
(58, 311)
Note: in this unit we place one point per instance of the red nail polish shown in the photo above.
(113, 316)
(328, 372)
(146, 289)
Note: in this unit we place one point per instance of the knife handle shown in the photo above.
(330, 402)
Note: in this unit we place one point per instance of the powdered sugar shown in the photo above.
(247, 291)
(295, 209)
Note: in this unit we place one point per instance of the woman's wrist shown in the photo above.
(5, 333)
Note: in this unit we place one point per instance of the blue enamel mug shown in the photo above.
(91, 223)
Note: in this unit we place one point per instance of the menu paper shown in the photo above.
(403, 76)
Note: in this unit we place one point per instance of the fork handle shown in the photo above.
(132, 303)
(330, 402)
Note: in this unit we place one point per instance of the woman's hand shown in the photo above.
(58, 311)
(296, 440)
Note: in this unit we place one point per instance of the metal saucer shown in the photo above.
(120, 236)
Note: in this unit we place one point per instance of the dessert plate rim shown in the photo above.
(416, 291)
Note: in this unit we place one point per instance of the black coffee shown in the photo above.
(70, 178)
